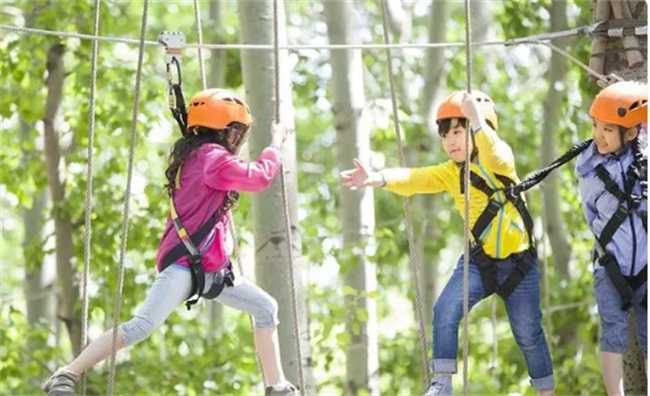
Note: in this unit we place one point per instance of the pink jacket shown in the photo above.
(205, 178)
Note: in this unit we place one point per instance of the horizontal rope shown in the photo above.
(553, 309)
(581, 31)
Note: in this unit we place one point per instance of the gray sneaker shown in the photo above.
(288, 390)
(61, 383)
(440, 388)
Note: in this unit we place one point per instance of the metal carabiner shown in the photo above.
(174, 43)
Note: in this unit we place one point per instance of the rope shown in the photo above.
(300, 47)
(199, 36)
(547, 293)
(537, 177)
(231, 219)
(127, 197)
(466, 230)
(231, 222)
(405, 203)
(89, 190)
(495, 338)
(285, 203)
(597, 75)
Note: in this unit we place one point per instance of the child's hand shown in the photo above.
(359, 177)
(469, 107)
(279, 134)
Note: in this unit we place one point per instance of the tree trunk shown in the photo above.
(69, 286)
(216, 78)
(482, 30)
(556, 78)
(619, 62)
(357, 207)
(36, 287)
(218, 58)
(435, 67)
(271, 253)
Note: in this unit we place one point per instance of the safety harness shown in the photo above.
(174, 42)
(487, 265)
(629, 205)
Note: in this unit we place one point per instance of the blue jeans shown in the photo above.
(524, 313)
(614, 321)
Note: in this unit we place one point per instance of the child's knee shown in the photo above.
(136, 330)
(266, 313)
(447, 312)
(529, 337)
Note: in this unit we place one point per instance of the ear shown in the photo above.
(631, 134)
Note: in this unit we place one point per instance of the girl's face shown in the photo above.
(453, 142)
(236, 139)
(608, 137)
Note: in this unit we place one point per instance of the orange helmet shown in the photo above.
(450, 107)
(623, 103)
(216, 109)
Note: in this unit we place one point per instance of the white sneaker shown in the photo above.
(440, 388)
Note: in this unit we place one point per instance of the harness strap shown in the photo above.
(608, 262)
(188, 245)
(489, 271)
(486, 217)
(524, 264)
(624, 285)
(610, 184)
(487, 268)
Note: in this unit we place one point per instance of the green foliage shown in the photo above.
(183, 357)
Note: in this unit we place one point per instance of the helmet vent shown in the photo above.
(634, 105)
(622, 112)
(233, 100)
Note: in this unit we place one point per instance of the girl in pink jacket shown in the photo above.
(204, 177)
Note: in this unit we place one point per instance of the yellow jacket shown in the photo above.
(506, 234)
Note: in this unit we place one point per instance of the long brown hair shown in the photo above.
(185, 146)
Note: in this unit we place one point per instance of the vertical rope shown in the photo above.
(495, 336)
(199, 36)
(127, 196)
(285, 204)
(231, 219)
(547, 295)
(89, 190)
(468, 61)
(407, 207)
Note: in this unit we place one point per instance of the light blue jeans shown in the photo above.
(172, 287)
(614, 321)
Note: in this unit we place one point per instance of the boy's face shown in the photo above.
(608, 137)
(454, 142)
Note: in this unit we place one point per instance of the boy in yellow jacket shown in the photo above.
(503, 259)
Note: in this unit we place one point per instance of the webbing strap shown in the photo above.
(633, 202)
(608, 262)
(493, 207)
(188, 243)
(486, 217)
(524, 264)
(610, 184)
(181, 231)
